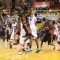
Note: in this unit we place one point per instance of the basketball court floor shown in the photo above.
(47, 52)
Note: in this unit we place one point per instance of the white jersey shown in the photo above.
(59, 36)
(56, 30)
(22, 33)
(13, 30)
(32, 21)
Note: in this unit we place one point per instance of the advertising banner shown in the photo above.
(41, 4)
